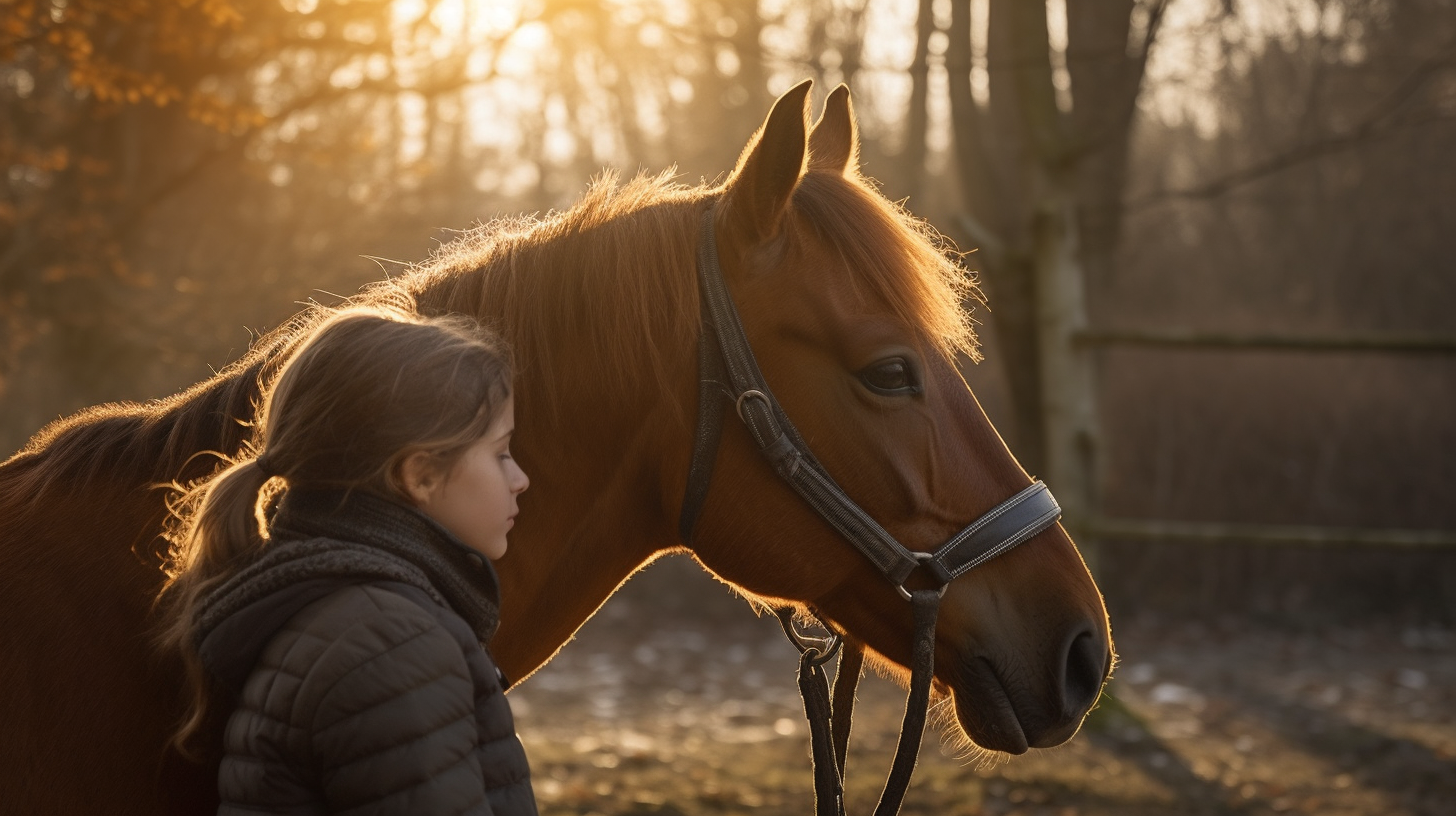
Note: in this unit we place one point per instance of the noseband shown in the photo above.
(728, 374)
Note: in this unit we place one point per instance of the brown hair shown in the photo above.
(367, 388)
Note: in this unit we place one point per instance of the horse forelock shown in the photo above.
(899, 258)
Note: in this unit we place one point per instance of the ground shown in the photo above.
(688, 706)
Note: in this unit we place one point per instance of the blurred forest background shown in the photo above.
(180, 173)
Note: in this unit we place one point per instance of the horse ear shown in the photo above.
(769, 169)
(834, 143)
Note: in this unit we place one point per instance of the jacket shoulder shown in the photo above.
(352, 609)
(361, 629)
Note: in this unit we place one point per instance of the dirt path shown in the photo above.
(673, 707)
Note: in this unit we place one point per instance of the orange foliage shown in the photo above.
(107, 106)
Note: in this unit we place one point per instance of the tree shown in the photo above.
(111, 106)
(1042, 162)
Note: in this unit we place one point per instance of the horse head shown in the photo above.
(857, 319)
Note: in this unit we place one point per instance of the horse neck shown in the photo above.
(603, 321)
(118, 448)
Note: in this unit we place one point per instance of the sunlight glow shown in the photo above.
(551, 85)
(572, 86)
(503, 54)
(1183, 80)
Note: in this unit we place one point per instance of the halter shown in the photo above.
(728, 374)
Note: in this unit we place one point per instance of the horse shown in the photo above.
(857, 313)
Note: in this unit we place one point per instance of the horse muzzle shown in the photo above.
(1003, 704)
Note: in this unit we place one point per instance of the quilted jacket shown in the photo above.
(354, 651)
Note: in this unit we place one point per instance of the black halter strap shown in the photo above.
(729, 375)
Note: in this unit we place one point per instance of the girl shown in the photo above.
(336, 588)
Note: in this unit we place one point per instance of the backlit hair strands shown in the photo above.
(367, 388)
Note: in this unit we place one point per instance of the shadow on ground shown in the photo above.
(676, 699)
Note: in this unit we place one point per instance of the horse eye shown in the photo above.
(893, 377)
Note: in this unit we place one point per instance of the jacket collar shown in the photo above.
(465, 578)
(322, 540)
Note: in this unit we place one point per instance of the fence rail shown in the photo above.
(1183, 338)
(1277, 534)
(1154, 530)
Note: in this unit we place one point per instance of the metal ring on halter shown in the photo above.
(752, 392)
(922, 557)
(826, 647)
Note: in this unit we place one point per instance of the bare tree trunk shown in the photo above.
(1043, 189)
(1107, 72)
(917, 124)
(1068, 400)
(990, 168)
(1068, 385)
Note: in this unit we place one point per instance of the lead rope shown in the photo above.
(828, 781)
(829, 724)
(841, 712)
(924, 607)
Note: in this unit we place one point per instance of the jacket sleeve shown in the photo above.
(395, 730)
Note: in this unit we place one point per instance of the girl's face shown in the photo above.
(476, 498)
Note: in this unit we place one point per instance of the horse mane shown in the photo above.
(156, 442)
(615, 273)
(599, 296)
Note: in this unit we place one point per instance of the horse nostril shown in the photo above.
(1086, 668)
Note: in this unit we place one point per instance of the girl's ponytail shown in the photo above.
(227, 523)
(222, 527)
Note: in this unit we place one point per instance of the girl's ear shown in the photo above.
(420, 477)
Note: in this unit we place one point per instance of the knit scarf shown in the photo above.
(329, 538)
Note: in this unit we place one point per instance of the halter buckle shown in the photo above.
(922, 557)
(752, 392)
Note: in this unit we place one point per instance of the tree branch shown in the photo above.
(138, 209)
(1379, 122)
